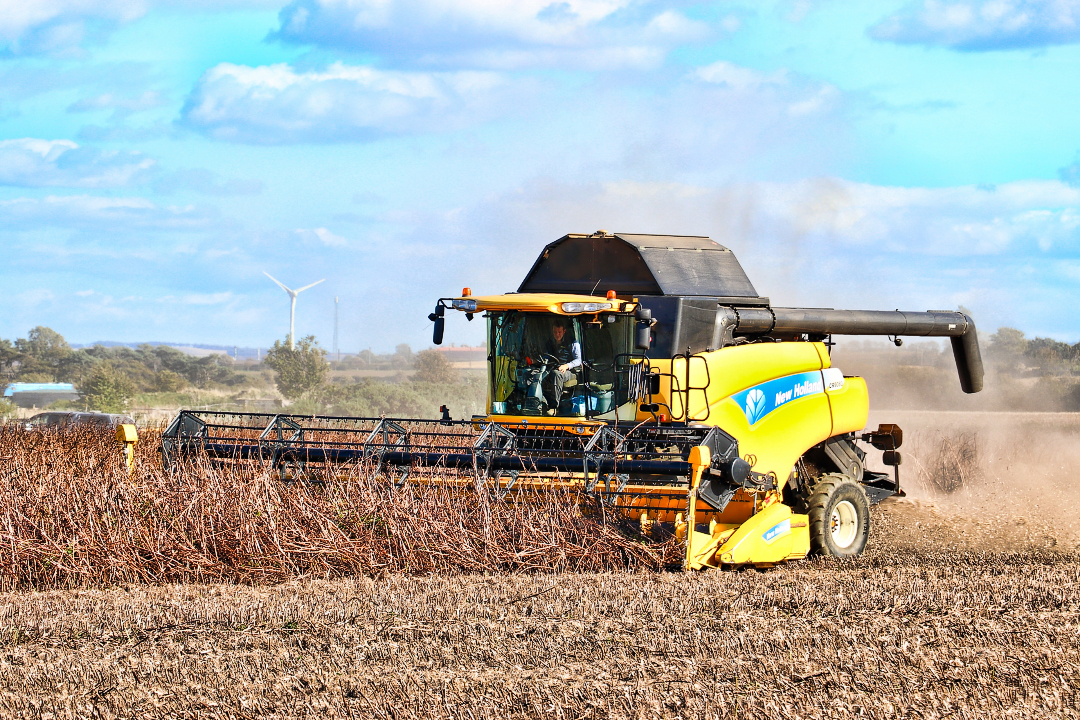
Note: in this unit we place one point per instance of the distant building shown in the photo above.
(465, 357)
(30, 395)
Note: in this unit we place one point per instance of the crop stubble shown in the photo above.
(927, 624)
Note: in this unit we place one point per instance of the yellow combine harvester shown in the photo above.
(646, 370)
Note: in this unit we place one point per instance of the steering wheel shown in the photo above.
(549, 359)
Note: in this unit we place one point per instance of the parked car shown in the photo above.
(63, 419)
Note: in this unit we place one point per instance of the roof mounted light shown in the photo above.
(577, 307)
(466, 305)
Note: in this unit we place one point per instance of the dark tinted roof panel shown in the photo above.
(638, 265)
(590, 266)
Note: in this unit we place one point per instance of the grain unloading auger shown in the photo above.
(644, 370)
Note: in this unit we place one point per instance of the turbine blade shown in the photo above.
(280, 284)
(311, 285)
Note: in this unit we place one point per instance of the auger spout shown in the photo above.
(789, 322)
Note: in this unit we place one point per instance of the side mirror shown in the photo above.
(440, 323)
(643, 334)
(886, 437)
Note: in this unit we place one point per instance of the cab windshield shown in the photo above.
(545, 364)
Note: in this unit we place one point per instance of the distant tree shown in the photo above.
(404, 352)
(43, 351)
(299, 371)
(1008, 341)
(45, 344)
(75, 367)
(9, 357)
(106, 389)
(168, 381)
(432, 366)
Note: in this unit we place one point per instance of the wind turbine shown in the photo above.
(292, 306)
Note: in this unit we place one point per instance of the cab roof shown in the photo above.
(543, 302)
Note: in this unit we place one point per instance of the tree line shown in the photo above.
(107, 377)
(1010, 349)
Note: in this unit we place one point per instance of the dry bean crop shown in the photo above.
(70, 516)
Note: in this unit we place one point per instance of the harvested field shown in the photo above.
(948, 615)
(930, 636)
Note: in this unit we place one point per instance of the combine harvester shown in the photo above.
(646, 370)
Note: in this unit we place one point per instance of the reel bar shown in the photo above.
(451, 460)
(480, 446)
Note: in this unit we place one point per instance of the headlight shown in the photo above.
(466, 305)
(576, 307)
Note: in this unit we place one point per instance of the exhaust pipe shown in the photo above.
(780, 322)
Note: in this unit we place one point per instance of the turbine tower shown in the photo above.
(292, 305)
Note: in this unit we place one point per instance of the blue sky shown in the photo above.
(157, 157)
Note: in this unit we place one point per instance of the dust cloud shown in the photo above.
(992, 471)
(987, 481)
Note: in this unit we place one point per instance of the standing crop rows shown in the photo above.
(70, 516)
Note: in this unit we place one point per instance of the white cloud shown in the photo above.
(1070, 270)
(979, 25)
(275, 103)
(495, 33)
(61, 26)
(739, 78)
(121, 105)
(955, 221)
(324, 236)
(33, 162)
(207, 298)
(114, 215)
(803, 97)
(34, 297)
(820, 101)
(32, 26)
(205, 182)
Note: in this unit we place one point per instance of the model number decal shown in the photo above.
(757, 402)
(834, 379)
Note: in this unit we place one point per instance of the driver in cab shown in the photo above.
(567, 353)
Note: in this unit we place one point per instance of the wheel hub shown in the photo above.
(844, 524)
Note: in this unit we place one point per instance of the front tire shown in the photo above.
(839, 514)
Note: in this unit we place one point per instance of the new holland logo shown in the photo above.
(761, 400)
(777, 531)
(755, 405)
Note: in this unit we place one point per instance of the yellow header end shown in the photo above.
(700, 456)
(126, 434)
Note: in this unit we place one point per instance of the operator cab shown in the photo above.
(522, 356)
